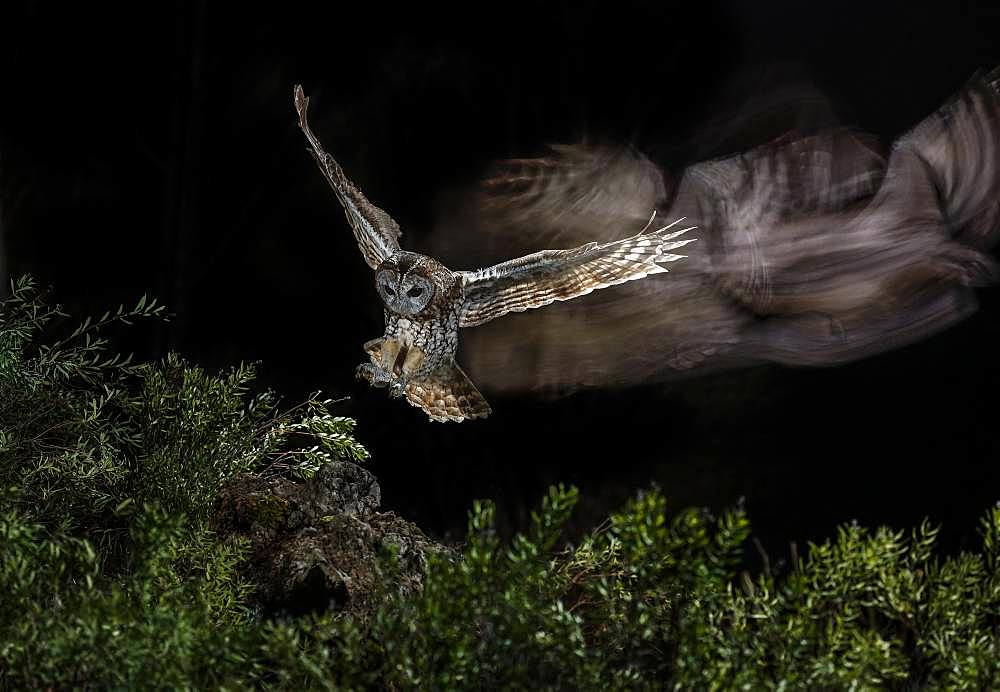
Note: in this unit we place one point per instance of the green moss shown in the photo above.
(269, 510)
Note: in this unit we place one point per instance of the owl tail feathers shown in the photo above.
(447, 394)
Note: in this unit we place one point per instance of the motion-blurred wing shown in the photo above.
(543, 277)
(960, 147)
(377, 233)
(575, 191)
(771, 208)
(814, 249)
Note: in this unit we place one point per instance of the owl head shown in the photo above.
(412, 284)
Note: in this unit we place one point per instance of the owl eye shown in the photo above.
(415, 291)
(389, 290)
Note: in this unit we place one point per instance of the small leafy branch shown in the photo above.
(80, 355)
(332, 438)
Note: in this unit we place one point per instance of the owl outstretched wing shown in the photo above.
(572, 192)
(543, 277)
(958, 148)
(377, 233)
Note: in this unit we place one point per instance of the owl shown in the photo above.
(426, 303)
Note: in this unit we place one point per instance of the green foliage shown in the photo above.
(611, 611)
(111, 579)
(647, 602)
(72, 626)
(108, 471)
(82, 432)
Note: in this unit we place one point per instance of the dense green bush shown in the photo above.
(647, 602)
(111, 577)
(82, 432)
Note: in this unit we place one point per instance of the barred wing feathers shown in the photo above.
(543, 277)
(376, 232)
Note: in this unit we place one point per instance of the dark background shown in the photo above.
(155, 150)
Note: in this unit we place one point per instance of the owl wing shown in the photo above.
(575, 191)
(959, 149)
(543, 277)
(377, 233)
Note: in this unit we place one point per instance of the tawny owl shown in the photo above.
(426, 303)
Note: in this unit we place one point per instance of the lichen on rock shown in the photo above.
(322, 544)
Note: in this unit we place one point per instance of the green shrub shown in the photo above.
(82, 432)
(110, 577)
(652, 602)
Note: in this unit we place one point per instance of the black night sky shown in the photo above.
(155, 150)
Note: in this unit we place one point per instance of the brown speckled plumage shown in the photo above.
(426, 303)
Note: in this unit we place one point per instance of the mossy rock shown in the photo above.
(321, 544)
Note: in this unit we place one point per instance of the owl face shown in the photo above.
(404, 285)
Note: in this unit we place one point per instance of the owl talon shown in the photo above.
(364, 372)
(372, 375)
